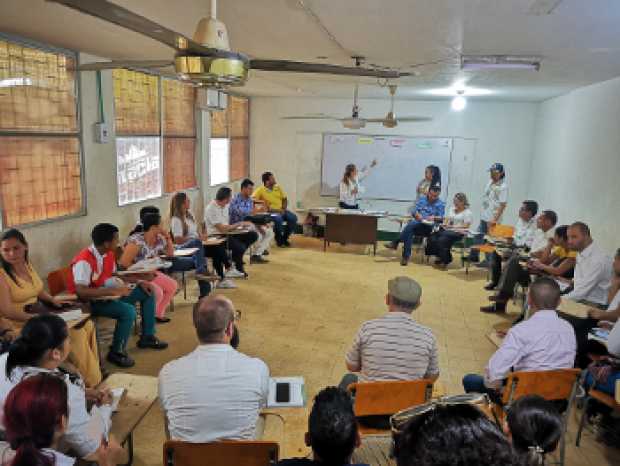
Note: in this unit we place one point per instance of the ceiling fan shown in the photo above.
(207, 59)
(355, 122)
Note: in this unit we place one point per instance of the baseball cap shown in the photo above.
(498, 167)
(405, 289)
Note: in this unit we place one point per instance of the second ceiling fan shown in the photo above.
(357, 122)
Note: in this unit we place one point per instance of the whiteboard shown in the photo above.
(401, 162)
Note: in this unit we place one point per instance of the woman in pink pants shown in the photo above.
(150, 243)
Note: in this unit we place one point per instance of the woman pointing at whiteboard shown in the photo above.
(350, 185)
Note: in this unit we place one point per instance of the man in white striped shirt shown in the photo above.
(394, 347)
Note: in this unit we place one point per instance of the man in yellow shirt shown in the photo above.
(275, 200)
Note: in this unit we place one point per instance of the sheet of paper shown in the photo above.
(297, 392)
(185, 252)
(562, 285)
(71, 314)
(100, 422)
(117, 394)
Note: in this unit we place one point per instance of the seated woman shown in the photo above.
(36, 413)
(455, 224)
(604, 372)
(20, 285)
(534, 426)
(152, 243)
(561, 261)
(41, 348)
(185, 234)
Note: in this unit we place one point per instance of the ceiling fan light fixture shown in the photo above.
(459, 103)
(500, 62)
(353, 123)
(211, 32)
(220, 71)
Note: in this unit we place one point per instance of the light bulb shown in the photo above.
(459, 103)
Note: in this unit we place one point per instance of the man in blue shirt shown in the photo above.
(427, 211)
(239, 209)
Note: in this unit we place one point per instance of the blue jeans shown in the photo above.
(198, 256)
(283, 232)
(483, 229)
(184, 264)
(413, 228)
(608, 387)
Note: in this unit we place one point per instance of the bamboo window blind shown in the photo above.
(40, 163)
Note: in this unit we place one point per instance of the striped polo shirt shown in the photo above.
(394, 347)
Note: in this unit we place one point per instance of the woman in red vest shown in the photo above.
(92, 278)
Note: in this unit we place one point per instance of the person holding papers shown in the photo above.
(92, 278)
(41, 348)
(428, 211)
(239, 235)
(20, 286)
(455, 226)
(350, 186)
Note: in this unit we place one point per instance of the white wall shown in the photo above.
(53, 244)
(292, 148)
(576, 162)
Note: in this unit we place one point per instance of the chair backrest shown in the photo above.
(502, 231)
(57, 280)
(223, 453)
(557, 384)
(381, 398)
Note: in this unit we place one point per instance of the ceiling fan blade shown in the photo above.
(110, 65)
(304, 67)
(413, 119)
(374, 120)
(108, 11)
(310, 117)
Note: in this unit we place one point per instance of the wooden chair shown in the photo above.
(554, 385)
(595, 395)
(384, 398)
(223, 453)
(498, 231)
(57, 280)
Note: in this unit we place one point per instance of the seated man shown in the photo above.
(428, 210)
(542, 342)
(514, 272)
(394, 347)
(215, 392)
(332, 430)
(217, 221)
(241, 207)
(593, 270)
(276, 202)
(582, 327)
(91, 277)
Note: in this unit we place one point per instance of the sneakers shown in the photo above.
(226, 284)
(120, 359)
(494, 308)
(266, 252)
(152, 342)
(162, 320)
(490, 286)
(256, 259)
(234, 273)
(404, 261)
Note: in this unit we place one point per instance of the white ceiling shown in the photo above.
(579, 40)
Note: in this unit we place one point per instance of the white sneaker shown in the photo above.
(234, 273)
(226, 284)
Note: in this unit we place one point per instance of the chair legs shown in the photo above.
(582, 421)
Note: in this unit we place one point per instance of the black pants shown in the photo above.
(440, 244)
(582, 327)
(218, 254)
(343, 205)
(238, 244)
(513, 273)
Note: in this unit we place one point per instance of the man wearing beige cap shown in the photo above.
(394, 347)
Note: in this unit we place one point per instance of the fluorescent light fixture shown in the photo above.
(12, 82)
(459, 103)
(500, 62)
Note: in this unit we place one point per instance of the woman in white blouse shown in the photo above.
(455, 225)
(41, 348)
(350, 185)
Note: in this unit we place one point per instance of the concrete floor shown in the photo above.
(301, 312)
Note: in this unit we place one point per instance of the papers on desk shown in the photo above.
(563, 285)
(213, 241)
(117, 394)
(99, 423)
(183, 252)
(297, 392)
(71, 314)
(145, 266)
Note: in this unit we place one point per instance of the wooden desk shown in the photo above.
(574, 308)
(140, 396)
(350, 228)
(375, 450)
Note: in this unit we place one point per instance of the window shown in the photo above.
(229, 155)
(138, 133)
(179, 132)
(40, 162)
